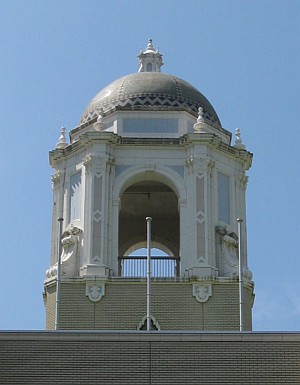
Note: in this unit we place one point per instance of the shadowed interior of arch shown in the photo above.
(159, 201)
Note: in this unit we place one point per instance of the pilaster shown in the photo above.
(199, 169)
(95, 231)
(57, 211)
(240, 182)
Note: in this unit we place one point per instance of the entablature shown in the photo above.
(187, 140)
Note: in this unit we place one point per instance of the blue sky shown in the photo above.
(244, 56)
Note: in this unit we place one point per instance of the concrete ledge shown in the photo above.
(94, 335)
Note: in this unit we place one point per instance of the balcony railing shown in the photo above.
(136, 266)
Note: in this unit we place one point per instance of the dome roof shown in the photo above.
(145, 90)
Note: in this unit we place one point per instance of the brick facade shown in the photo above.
(124, 305)
(89, 358)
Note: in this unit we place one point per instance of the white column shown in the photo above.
(199, 168)
(57, 211)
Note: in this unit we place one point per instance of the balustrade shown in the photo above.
(136, 266)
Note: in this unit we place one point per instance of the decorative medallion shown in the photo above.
(202, 292)
(95, 291)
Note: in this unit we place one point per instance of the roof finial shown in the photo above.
(62, 142)
(238, 139)
(200, 126)
(150, 46)
(200, 118)
(100, 125)
(150, 60)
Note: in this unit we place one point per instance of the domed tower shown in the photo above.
(148, 145)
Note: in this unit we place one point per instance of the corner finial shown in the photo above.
(150, 60)
(238, 139)
(100, 125)
(200, 126)
(62, 142)
(200, 118)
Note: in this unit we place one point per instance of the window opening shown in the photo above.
(159, 201)
(135, 264)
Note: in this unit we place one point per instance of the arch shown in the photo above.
(160, 174)
(139, 241)
(154, 245)
(149, 198)
(167, 234)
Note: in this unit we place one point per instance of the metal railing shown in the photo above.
(137, 266)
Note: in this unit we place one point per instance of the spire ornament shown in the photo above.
(150, 60)
(62, 142)
(150, 46)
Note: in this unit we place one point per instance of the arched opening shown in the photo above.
(163, 264)
(159, 201)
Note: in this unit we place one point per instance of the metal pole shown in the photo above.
(241, 297)
(59, 248)
(148, 219)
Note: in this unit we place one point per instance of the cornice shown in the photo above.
(211, 140)
(84, 141)
(216, 143)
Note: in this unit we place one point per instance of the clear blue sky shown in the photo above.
(243, 55)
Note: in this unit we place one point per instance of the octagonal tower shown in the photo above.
(148, 144)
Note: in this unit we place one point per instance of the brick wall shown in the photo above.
(50, 303)
(89, 358)
(124, 306)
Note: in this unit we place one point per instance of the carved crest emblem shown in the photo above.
(202, 292)
(95, 291)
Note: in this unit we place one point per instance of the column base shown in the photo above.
(94, 270)
(203, 272)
